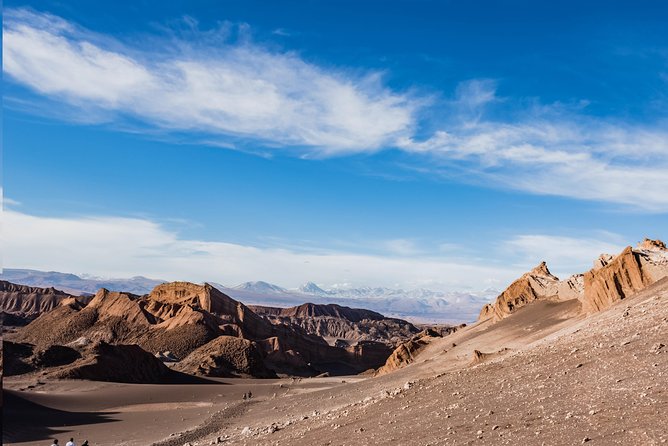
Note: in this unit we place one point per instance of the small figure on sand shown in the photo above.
(70, 443)
(245, 396)
(55, 443)
(250, 394)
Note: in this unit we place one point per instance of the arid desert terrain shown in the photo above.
(573, 361)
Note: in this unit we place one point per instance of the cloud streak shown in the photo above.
(124, 247)
(233, 91)
(555, 155)
(241, 94)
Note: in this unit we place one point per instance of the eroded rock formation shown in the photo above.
(615, 278)
(406, 352)
(29, 302)
(226, 356)
(187, 319)
(537, 283)
(339, 325)
(612, 279)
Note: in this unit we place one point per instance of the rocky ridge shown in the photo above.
(29, 302)
(340, 325)
(211, 333)
(611, 279)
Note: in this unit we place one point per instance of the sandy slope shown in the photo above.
(564, 379)
(128, 414)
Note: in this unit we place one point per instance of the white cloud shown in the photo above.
(564, 255)
(6, 201)
(401, 247)
(125, 247)
(240, 90)
(589, 159)
(233, 94)
(475, 93)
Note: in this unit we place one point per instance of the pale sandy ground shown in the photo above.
(565, 380)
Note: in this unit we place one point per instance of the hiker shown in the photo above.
(70, 443)
(250, 394)
(245, 396)
(85, 443)
(55, 443)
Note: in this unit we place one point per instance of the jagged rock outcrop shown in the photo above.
(406, 352)
(182, 317)
(320, 310)
(226, 356)
(612, 278)
(29, 302)
(537, 283)
(478, 357)
(615, 278)
(651, 245)
(341, 325)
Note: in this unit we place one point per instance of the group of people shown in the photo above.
(248, 395)
(70, 443)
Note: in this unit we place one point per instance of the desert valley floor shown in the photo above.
(543, 375)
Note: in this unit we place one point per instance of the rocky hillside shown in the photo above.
(341, 325)
(612, 279)
(96, 361)
(616, 278)
(407, 351)
(201, 327)
(31, 301)
(538, 283)
(539, 376)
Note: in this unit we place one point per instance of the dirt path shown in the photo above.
(215, 423)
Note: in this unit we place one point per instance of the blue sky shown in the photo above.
(448, 145)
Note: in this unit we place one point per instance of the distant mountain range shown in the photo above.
(78, 285)
(420, 305)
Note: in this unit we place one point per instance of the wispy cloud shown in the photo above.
(239, 90)
(551, 153)
(6, 201)
(124, 247)
(402, 247)
(236, 94)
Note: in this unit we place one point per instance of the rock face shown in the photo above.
(537, 283)
(341, 325)
(616, 278)
(118, 363)
(184, 319)
(479, 357)
(99, 362)
(30, 302)
(314, 310)
(405, 353)
(612, 278)
(226, 356)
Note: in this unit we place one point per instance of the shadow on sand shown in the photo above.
(25, 420)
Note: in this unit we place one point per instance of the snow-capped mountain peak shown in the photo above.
(312, 288)
(260, 287)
